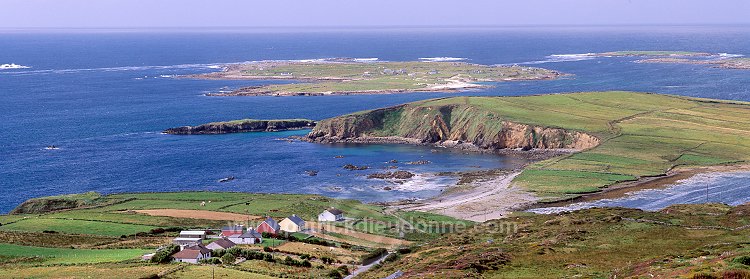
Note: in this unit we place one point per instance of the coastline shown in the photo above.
(493, 195)
(619, 190)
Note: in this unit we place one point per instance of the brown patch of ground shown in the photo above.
(198, 214)
(387, 241)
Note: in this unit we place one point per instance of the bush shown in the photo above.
(165, 255)
(212, 260)
(343, 270)
(335, 274)
(151, 276)
(704, 276)
(157, 231)
(267, 249)
(404, 250)
(306, 263)
(743, 260)
(373, 256)
(735, 274)
(228, 258)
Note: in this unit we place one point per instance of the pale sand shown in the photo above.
(199, 214)
(484, 200)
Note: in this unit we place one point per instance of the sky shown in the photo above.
(352, 13)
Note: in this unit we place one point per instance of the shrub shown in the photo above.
(267, 249)
(704, 276)
(373, 256)
(306, 263)
(151, 276)
(743, 260)
(343, 270)
(212, 260)
(228, 258)
(735, 274)
(335, 274)
(157, 231)
(165, 255)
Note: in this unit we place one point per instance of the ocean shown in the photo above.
(103, 97)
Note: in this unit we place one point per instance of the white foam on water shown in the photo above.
(12, 66)
(556, 58)
(441, 59)
(729, 55)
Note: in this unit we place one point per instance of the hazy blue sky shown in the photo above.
(281, 13)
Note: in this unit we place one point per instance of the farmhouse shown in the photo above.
(193, 234)
(232, 230)
(220, 244)
(269, 226)
(251, 236)
(192, 254)
(292, 224)
(331, 215)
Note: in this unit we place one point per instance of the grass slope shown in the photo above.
(71, 256)
(679, 242)
(641, 134)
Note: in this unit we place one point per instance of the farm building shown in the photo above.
(187, 241)
(193, 234)
(251, 236)
(331, 215)
(269, 226)
(192, 254)
(221, 243)
(232, 230)
(292, 224)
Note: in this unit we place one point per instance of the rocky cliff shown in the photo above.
(446, 125)
(55, 203)
(245, 125)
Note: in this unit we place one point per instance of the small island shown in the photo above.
(351, 76)
(728, 63)
(241, 126)
(716, 60)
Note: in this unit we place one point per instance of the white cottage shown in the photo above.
(331, 215)
(192, 254)
(251, 236)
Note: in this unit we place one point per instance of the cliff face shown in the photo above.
(239, 126)
(446, 124)
(49, 204)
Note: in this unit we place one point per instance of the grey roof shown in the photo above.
(335, 211)
(224, 243)
(233, 228)
(272, 223)
(251, 233)
(297, 220)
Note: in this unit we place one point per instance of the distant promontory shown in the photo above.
(241, 126)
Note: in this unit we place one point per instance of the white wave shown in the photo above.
(420, 182)
(12, 66)
(441, 59)
(555, 58)
(365, 59)
(729, 55)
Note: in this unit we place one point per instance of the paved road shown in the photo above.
(365, 267)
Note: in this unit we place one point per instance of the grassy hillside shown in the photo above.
(640, 134)
(679, 242)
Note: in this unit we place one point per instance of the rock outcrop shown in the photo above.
(55, 203)
(240, 126)
(448, 125)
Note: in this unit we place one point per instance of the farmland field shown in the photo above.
(71, 256)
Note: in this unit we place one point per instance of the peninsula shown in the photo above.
(610, 137)
(350, 76)
(244, 125)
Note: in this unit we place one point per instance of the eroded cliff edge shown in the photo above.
(447, 125)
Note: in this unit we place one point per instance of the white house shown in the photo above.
(292, 224)
(331, 215)
(251, 236)
(192, 254)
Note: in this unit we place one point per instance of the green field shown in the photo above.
(640, 134)
(357, 77)
(71, 256)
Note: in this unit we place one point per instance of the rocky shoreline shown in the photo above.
(241, 126)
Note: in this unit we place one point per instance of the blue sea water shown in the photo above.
(103, 97)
